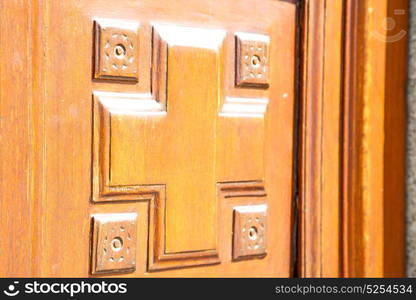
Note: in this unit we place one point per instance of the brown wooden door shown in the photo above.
(164, 138)
(157, 138)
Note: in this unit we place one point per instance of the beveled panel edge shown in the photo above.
(191, 37)
(158, 259)
(244, 107)
(106, 104)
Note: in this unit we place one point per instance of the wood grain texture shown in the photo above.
(319, 238)
(373, 167)
(16, 203)
(47, 123)
(395, 136)
(366, 189)
(310, 170)
(47, 112)
(256, 147)
(188, 165)
(320, 160)
(332, 134)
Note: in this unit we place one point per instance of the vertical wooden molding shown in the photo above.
(320, 161)
(331, 141)
(352, 192)
(395, 137)
(16, 206)
(373, 149)
(311, 139)
(352, 144)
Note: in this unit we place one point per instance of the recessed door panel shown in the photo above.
(181, 114)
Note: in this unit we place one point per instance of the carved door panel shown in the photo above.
(168, 137)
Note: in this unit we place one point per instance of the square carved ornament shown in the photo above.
(249, 231)
(116, 50)
(252, 61)
(114, 243)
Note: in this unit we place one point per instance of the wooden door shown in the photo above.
(163, 137)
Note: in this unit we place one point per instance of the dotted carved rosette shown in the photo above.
(252, 61)
(114, 243)
(116, 48)
(249, 231)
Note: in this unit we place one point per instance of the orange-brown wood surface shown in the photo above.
(374, 142)
(351, 182)
(320, 135)
(170, 127)
(16, 222)
(165, 133)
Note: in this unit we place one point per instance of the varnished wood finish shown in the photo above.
(374, 143)
(80, 155)
(319, 159)
(332, 131)
(58, 170)
(16, 203)
(394, 156)
(352, 173)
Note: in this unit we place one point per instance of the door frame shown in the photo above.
(352, 145)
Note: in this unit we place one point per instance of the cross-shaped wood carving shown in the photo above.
(171, 146)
